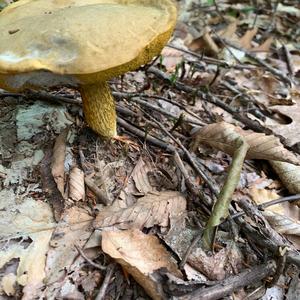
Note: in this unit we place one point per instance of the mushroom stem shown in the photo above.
(99, 108)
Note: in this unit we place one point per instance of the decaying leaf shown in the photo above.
(216, 266)
(76, 185)
(154, 209)
(231, 53)
(26, 239)
(74, 228)
(140, 177)
(289, 175)
(57, 166)
(140, 255)
(289, 131)
(222, 136)
(284, 217)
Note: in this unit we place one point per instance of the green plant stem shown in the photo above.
(221, 207)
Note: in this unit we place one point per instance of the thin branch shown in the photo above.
(98, 266)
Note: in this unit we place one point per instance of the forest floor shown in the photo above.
(200, 203)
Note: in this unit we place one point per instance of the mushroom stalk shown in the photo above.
(99, 108)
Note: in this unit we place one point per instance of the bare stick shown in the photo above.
(98, 266)
(109, 273)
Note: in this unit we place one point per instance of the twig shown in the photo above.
(188, 181)
(253, 235)
(211, 99)
(264, 226)
(288, 60)
(109, 273)
(212, 186)
(142, 134)
(98, 266)
(189, 250)
(99, 194)
(212, 60)
(233, 283)
(164, 111)
(268, 204)
(260, 61)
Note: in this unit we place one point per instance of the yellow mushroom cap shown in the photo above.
(75, 42)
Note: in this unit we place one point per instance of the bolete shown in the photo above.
(81, 44)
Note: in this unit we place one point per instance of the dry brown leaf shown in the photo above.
(171, 58)
(76, 184)
(230, 31)
(26, 229)
(284, 217)
(222, 136)
(154, 209)
(74, 228)
(289, 175)
(140, 177)
(215, 267)
(140, 255)
(289, 131)
(58, 160)
(246, 39)
(265, 46)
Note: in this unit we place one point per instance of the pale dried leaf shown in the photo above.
(289, 174)
(74, 228)
(261, 195)
(31, 220)
(140, 255)
(58, 160)
(283, 217)
(222, 136)
(230, 31)
(246, 39)
(140, 177)
(8, 284)
(283, 224)
(171, 58)
(150, 210)
(76, 184)
(289, 131)
(265, 46)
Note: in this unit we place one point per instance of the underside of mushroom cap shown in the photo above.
(80, 41)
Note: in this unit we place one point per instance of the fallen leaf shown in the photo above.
(27, 239)
(160, 209)
(140, 177)
(74, 228)
(217, 266)
(283, 217)
(289, 131)
(246, 39)
(289, 174)
(76, 185)
(222, 136)
(140, 255)
(58, 166)
(171, 58)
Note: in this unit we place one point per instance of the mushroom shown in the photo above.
(81, 44)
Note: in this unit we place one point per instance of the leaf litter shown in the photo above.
(135, 205)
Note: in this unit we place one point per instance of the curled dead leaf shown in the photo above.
(76, 185)
(222, 136)
(140, 177)
(140, 255)
(289, 174)
(57, 166)
(283, 217)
